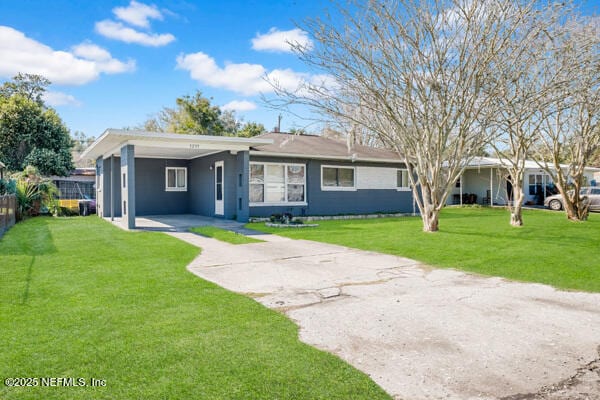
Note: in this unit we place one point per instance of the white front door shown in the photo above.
(219, 180)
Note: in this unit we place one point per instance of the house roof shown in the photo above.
(483, 162)
(166, 145)
(312, 146)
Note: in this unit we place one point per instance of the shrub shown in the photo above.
(285, 218)
(8, 186)
(35, 194)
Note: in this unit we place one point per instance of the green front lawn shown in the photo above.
(81, 298)
(547, 249)
(224, 235)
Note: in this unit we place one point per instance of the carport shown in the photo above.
(142, 173)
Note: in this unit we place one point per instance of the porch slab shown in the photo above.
(183, 222)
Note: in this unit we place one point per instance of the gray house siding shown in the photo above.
(103, 199)
(201, 183)
(361, 201)
(127, 179)
(151, 196)
(99, 186)
(242, 186)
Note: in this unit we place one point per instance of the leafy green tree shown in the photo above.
(81, 141)
(231, 124)
(196, 115)
(298, 131)
(193, 115)
(29, 86)
(30, 132)
(250, 129)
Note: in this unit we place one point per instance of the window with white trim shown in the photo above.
(538, 183)
(275, 183)
(337, 178)
(175, 179)
(402, 181)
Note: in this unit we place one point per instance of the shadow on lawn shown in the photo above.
(30, 238)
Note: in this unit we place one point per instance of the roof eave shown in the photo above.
(326, 157)
(127, 136)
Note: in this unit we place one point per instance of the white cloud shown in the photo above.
(56, 99)
(85, 63)
(246, 79)
(118, 31)
(239, 105)
(138, 14)
(90, 51)
(280, 41)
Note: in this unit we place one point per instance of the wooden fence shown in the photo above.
(8, 212)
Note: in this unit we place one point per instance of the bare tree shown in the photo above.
(417, 70)
(524, 87)
(571, 126)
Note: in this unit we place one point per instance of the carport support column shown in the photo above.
(491, 187)
(128, 186)
(243, 181)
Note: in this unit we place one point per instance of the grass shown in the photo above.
(224, 235)
(547, 249)
(81, 298)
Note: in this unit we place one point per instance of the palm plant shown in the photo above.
(34, 193)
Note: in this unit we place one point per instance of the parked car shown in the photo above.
(591, 193)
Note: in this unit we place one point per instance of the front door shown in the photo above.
(219, 202)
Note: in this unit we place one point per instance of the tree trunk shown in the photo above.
(576, 211)
(571, 211)
(576, 208)
(516, 217)
(431, 220)
(516, 209)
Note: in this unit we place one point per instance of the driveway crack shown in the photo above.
(566, 388)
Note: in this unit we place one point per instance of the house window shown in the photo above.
(538, 183)
(402, 181)
(274, 183)
(337, 178)
(175, 179)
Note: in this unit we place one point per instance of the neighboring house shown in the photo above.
(486, 179)
(145, 173)
(80, 184)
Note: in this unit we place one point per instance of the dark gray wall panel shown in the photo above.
(151, 196)
(109, 172)
(202, 195)
(364, 201)
(127, 179)
(242, 186)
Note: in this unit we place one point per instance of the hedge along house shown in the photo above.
(145, 173)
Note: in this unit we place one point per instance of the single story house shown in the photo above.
(146, 173)
(485, 182)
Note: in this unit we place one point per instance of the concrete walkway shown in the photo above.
(420, 333)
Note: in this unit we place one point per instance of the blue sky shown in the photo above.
(113, 63)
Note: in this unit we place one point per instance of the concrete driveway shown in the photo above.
(420, 333)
